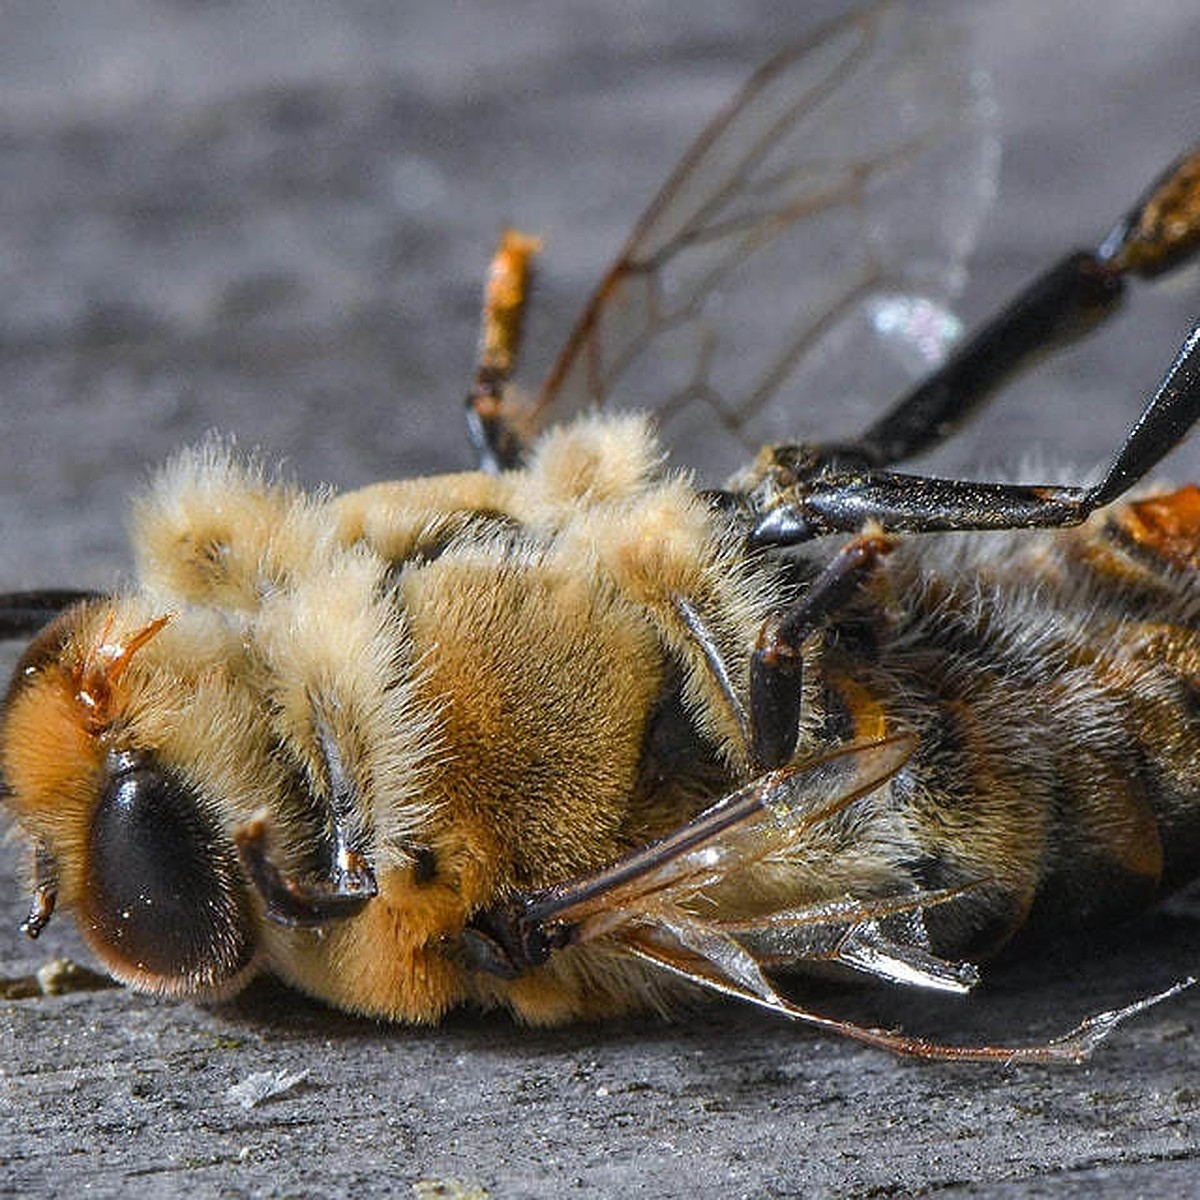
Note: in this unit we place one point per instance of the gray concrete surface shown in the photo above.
(271, 220)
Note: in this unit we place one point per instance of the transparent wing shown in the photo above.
(690, 884)
(658, 905)
(802, 255)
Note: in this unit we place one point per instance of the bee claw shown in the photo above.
(41, 909)
(45, 893)
(297, 904)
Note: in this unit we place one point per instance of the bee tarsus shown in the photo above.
(45, 893)
(301, 904)
(777, 664)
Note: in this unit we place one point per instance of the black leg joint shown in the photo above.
(784, 525)
(301, 904)
(776, 691)
(777, 665)
(45, 893)
(497, 446)
(505, 941)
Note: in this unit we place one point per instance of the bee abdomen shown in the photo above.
(1147, 555)
(1057, 698)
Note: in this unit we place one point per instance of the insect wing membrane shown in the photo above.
(766, 817)
(805, 250)
(645, 899)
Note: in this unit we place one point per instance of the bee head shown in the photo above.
(125, 839)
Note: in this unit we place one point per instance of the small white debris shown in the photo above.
(448, 1189)
(61, 975)
(261, 1086)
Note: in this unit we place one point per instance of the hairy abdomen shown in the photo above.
(1053, 681)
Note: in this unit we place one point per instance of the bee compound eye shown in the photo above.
(164, 898)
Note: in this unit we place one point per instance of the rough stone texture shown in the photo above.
(272, 222)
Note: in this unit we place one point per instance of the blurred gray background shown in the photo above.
(273, 221)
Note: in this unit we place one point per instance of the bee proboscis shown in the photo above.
(569, 734)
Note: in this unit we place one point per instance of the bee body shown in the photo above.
(497, 672)
(493, 663)
(568, 734)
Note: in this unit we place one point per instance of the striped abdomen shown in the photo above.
(1053, 678)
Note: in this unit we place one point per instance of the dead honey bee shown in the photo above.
(569, 734)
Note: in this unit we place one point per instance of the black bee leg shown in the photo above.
(786, 511)
(718, 670)
(776, 666)
(508, 939)
(45, 892)
(490, 425)
(1158, 234)
(1164, 423)
(345, 881)
(1056, 309)
(303, 903)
